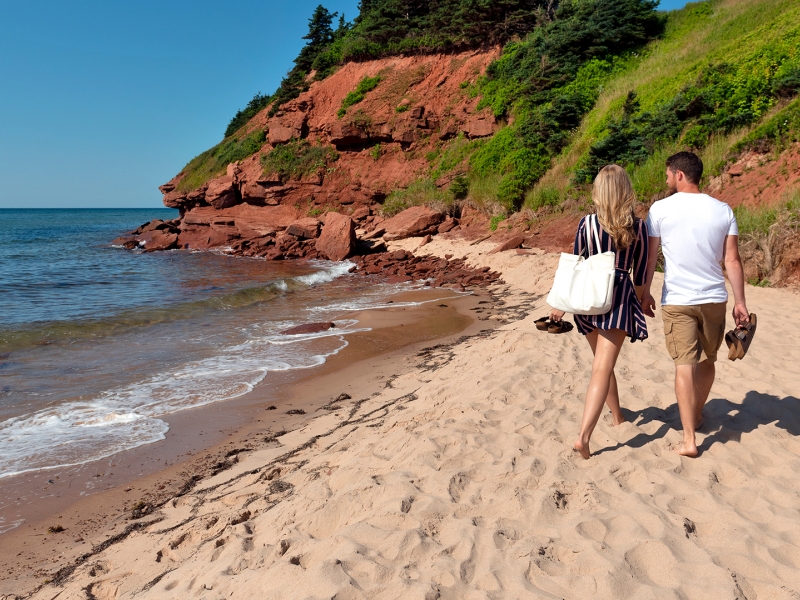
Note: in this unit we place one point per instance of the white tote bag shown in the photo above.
(584, 286)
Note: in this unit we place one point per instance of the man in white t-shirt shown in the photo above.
(697, 233)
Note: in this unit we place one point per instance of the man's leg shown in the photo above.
(704, 375)
(694, 368)
(711, 334)
(686, 393)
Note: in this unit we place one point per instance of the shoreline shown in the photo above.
(170, 467)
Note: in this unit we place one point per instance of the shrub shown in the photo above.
(453, 154)
(780, 129)
(787, 84)
(459, 187)
(365, 86)
(495, 221)
(297, 158)
(550, 80)
(649, 178)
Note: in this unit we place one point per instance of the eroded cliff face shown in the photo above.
(381, 144)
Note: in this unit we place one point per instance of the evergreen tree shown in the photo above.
(320, 35)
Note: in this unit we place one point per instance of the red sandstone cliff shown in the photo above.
(381, 144)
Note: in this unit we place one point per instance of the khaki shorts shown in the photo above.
(694, 333)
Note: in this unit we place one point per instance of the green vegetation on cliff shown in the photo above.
(364, 86)
(390, 27)
(579, 84)
(721, 67)
(213, 162)
(733, 89)
(296, 159)
(547, 82)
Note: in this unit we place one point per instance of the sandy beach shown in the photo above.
(448, 473)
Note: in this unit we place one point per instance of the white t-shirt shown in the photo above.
(692, 228)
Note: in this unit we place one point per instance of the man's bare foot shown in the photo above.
(685, 450)
(582, 449)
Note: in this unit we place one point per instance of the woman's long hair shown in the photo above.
(614, 198)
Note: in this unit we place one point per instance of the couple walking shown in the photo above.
(697, 233)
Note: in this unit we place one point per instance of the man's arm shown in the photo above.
(648, 303)
(735, 270)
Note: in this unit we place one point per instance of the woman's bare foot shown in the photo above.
(618, 421)
(685, 450)
(582, 449)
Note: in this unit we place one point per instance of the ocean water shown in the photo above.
(98, 343)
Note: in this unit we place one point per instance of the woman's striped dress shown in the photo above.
(626, 311)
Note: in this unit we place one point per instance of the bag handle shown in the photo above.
(592, 228)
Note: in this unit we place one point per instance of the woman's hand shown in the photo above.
(556, 315)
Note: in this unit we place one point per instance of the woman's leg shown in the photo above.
(606, 350)
(612, 400)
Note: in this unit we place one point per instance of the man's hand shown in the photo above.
(740, 315)
(733, 266)
(556, 315)
(648, 305)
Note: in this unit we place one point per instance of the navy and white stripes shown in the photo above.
(626, 310)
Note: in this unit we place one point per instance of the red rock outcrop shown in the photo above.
(380, 145)
(157, 239)
(758, 180)
(221, 192)
(419, 101)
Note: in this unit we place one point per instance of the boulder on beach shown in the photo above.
(414, 221)
(307, 228)
(338, 238)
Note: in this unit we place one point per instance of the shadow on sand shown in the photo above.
(725, 421)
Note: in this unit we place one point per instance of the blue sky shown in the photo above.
(101, 102)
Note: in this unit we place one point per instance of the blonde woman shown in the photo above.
(624, 234)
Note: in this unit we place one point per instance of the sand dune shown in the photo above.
(456, 481)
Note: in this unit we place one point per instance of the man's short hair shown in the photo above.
(689, 163)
